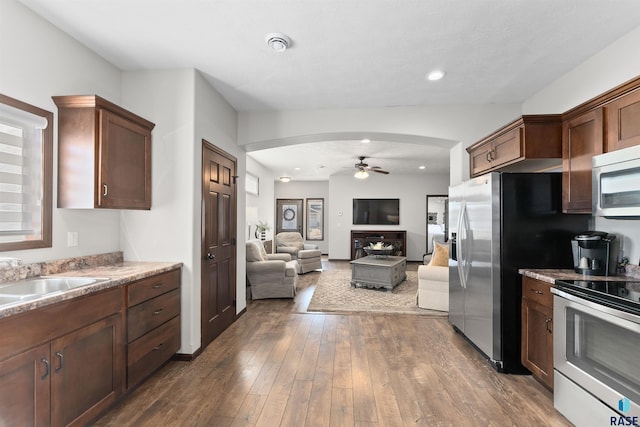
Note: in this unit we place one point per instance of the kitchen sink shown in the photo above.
(32, 288)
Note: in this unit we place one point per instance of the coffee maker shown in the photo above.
(595, 253)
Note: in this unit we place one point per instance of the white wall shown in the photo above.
(39, 61)
(263, 204)
(165, 232)
(410, 189)
(610, 67)
(308, 190)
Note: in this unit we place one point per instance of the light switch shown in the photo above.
(72, 238)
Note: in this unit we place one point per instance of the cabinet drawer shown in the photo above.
(150, 351)
(151, 287)
(152, 313)
(538, 291)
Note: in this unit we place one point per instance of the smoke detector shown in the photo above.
(278, 42)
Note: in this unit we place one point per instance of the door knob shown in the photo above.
(210, 255)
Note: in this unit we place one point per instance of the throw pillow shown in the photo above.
(440, 254)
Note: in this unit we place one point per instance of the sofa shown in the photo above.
(270, 275)
(307, 255)
(433, 280)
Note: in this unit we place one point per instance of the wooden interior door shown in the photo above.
(218, 283)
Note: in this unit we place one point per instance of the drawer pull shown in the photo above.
(158, 347)
(547, 322)
(159, 285)
(158, 311)
(535, 291)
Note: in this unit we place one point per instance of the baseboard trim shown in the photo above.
(185, 357)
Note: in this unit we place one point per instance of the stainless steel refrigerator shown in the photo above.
(503, 222)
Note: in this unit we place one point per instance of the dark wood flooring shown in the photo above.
(280, 366)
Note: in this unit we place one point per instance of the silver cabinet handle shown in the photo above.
(105, 190)
(61, 358)
(46, 367)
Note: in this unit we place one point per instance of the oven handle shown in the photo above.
(597, 309)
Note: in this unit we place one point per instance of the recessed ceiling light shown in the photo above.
(296, 169)
(435, 75)
(365, 141)
(278, 42)
(422, 167)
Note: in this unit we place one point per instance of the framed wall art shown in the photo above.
(289, 215)
(315, 219)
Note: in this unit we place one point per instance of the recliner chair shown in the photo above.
(270, 275)
(307, 255)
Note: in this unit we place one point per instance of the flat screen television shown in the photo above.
(376, 211)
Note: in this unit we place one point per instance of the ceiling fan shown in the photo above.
(362, 169)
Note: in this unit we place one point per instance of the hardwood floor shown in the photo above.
(280, 366)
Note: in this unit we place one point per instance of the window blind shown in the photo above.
(20, 174)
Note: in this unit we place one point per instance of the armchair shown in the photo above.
(270, 275)
(308, 256)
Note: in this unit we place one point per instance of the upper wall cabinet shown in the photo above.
(623, 121)
(532, 142)
(104, 155)
(582, 139)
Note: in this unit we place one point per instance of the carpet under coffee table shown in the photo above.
(378, 272)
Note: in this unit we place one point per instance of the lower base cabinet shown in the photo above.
(65, 364)
(72, 378)
(537, 330)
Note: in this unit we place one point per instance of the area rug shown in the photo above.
(334, 293)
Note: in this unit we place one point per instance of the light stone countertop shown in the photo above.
(118, 273)
(551, 275)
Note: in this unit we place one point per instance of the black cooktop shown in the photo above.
(620, 294)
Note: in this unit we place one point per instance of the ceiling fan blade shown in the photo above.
(379, 171)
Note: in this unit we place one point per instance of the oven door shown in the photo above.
(598, 348)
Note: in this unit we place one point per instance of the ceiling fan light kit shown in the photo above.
(363, 169)
(361, 174)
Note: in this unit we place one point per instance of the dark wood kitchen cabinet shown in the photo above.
(25, 388)
(70, 379)
(582, 138)
(153, 324)
(623, 121)
(531, 142)
(537, 330)
(104, 155)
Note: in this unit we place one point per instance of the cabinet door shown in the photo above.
(124, 176)
(87, 371)
(24, 388)
(623, 122)
(537, 340)
(582, 138)
(506, 148)
(480, 159)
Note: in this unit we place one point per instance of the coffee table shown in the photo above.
(378, 272)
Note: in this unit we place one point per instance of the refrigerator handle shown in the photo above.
(460, 243)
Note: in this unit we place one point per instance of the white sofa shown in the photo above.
(433, 281)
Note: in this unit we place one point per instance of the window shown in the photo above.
(26, 161)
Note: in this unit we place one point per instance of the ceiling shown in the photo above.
(350, 53)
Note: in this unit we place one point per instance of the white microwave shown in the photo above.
(616, 183)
